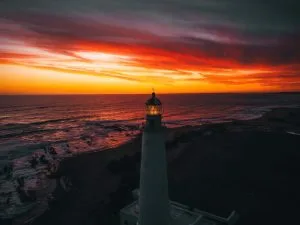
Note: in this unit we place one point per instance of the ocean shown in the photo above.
(30, 126)
(96, 122)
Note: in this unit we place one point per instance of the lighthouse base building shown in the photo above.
(152, 206)
(180, 215)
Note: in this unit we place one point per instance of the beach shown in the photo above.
(248, 166)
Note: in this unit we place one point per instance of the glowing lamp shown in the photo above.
(154, 106)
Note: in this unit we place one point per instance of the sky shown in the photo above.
(132, 46)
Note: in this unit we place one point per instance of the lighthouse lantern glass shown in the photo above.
(154, 110)
(154, 106)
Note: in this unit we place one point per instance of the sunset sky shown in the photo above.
(130, 46)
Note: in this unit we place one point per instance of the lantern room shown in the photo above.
(154, 106)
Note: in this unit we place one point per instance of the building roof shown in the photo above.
(153, 100)
(181, 215)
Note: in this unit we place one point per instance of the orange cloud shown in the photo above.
(213, 61)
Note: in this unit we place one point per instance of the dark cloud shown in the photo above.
(262, 16)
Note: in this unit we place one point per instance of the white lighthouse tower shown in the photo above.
(153, 199)
(153, 206)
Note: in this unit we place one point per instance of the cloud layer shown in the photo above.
(232, 42)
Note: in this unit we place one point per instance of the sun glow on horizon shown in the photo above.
(79, 78)
(27, 80)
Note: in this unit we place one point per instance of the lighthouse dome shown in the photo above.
(153, 106)
(153, 100)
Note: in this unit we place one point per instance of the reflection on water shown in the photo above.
(100, 121)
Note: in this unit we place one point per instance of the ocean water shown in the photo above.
(96, 122)
(31, 125)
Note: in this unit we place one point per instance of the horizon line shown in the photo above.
(184, 93)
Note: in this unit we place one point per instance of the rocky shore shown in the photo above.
(248, 166)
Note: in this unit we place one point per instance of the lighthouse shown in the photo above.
(152, 205)
(153, 196)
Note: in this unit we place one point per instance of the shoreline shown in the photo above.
(131, 149)
(118, 168)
